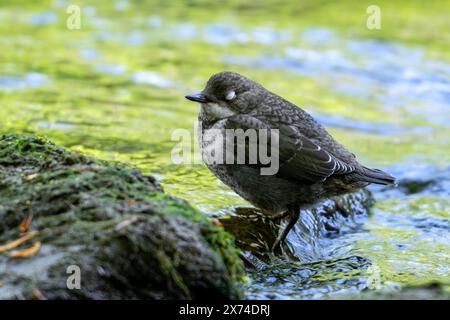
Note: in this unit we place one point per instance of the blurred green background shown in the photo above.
(115, 89)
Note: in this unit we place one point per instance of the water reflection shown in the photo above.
(31, 80)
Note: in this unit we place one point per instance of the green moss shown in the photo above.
(115, 215)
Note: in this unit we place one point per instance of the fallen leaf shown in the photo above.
(32, 176)
(26, 253)
(37, 295)
(23, 227)
(131, 202)
(13, 244)
(125, 223)
(217, 223)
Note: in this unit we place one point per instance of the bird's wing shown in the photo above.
(303, 159)
(299, 158)
(290, 115)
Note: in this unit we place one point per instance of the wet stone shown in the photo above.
(255, 235)
(113, 224)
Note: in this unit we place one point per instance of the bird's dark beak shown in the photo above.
(198, 97)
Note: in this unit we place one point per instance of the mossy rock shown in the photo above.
(129, 239)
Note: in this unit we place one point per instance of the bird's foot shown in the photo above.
(277, 216)
(270, 218)
(277, 247)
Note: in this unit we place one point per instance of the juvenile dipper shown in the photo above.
(312, 165)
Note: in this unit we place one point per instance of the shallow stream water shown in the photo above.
(115, 89)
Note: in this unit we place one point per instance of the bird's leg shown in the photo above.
(270, 218)
(294, 214)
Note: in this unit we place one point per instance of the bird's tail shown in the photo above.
(376, 176)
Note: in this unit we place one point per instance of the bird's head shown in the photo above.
(226, 94)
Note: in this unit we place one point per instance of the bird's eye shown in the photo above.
(230, 95)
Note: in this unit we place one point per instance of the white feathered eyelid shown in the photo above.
(230, 95)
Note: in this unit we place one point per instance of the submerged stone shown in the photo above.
(106, 231)
(256, 235)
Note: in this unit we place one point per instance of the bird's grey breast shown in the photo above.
(212, 140)
(215, 111)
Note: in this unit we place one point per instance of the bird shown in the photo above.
(312, 165)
